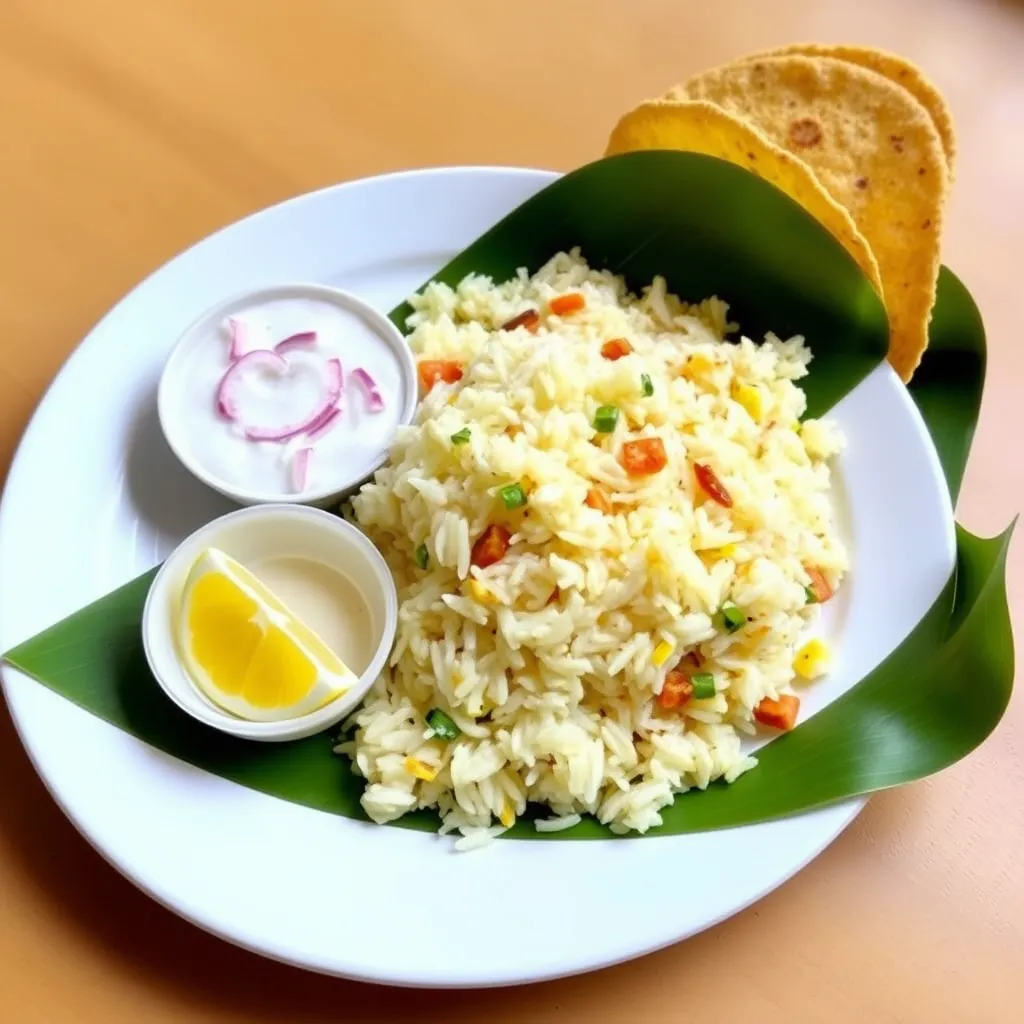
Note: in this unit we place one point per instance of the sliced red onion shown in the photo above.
(299, 340)
(317, 430)
(331, 399)
(300, 468)
(373, 395)
(238, 336)
(226, 401)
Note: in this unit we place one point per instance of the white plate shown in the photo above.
(95, 497)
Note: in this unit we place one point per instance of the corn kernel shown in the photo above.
(420, 769)
(811, 659)
(481, 592)
(726, 551)
(749, 396)
(662, 653)
(697, 366)
(507, 816)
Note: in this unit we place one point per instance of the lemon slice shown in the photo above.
(247, 651)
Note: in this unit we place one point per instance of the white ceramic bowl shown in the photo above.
(178, 386)
(249, 535)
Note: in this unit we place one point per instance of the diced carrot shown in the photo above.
(676, 691)
(779, 714)
(596, 498)
(644, 457)
(819, 585)
(433, 370)
(616, 349)
(490, 546)
(571, 302)
(529, 319)
(711, 485)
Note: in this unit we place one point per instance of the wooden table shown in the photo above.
(131, 129)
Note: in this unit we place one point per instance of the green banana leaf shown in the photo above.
(742, 239)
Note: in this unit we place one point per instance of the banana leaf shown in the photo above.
(709, 228)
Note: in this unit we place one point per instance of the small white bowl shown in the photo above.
(249, 535)
(189, 372)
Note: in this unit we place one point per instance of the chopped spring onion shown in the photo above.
(460, 436)
(703, 685)
(441, 725)
(422, 556)
(812, 597)
(605, 419)
(732, 618)
(513, 496)
(646, 385)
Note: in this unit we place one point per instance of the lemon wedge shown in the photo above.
(247, 651)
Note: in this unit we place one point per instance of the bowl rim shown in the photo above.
(155, 622)
(377, 320)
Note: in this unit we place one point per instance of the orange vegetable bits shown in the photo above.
(433, 370)
(676, 692)
(644, 457)
(596, 498)
(616, 349)
(779, 714)
(530, 319)
(819, 585)
(490, 546)
(711, 485)
(570, 302)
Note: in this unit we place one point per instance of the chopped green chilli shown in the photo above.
(513, 496)
(646, 385)
(422, 556)
(732, 618)
(812, 597)
(442, 726)
(461, 436)
(703, 685)
(605, 419)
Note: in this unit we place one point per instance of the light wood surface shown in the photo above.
(131, 128)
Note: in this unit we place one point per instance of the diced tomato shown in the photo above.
(711, 485)
(571, 302)
(529, 319)
(433, 370)
(644, 457)
(596, 498)
(490, 546)
(677, 690)
(553, 596)
(694, 658)
(779, 714)
(819, 585)
(616, 349)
